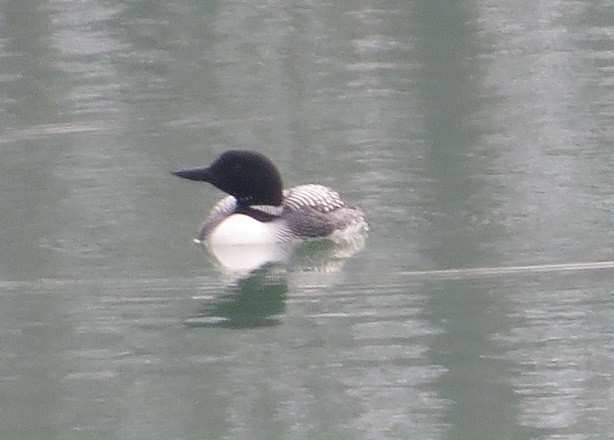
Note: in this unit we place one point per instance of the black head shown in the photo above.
(248, 176)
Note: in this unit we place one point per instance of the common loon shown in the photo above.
(258, 209)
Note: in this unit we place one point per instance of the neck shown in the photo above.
(269, 202)
(263, 213)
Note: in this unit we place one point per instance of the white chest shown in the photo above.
(240, 229)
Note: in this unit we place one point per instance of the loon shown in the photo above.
(258, 210)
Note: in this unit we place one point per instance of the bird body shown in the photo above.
(258, 210)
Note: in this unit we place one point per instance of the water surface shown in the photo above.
(475, 135)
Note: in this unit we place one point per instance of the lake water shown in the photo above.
(476, 135)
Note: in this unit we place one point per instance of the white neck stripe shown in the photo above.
(268, 209)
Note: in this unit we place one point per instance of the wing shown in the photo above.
(318, 211)
(316, 197)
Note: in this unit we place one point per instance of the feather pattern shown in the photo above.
(307, 211)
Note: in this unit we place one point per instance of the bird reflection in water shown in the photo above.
(260, 276)
(256, 300)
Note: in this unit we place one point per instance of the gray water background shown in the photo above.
(476, 135)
